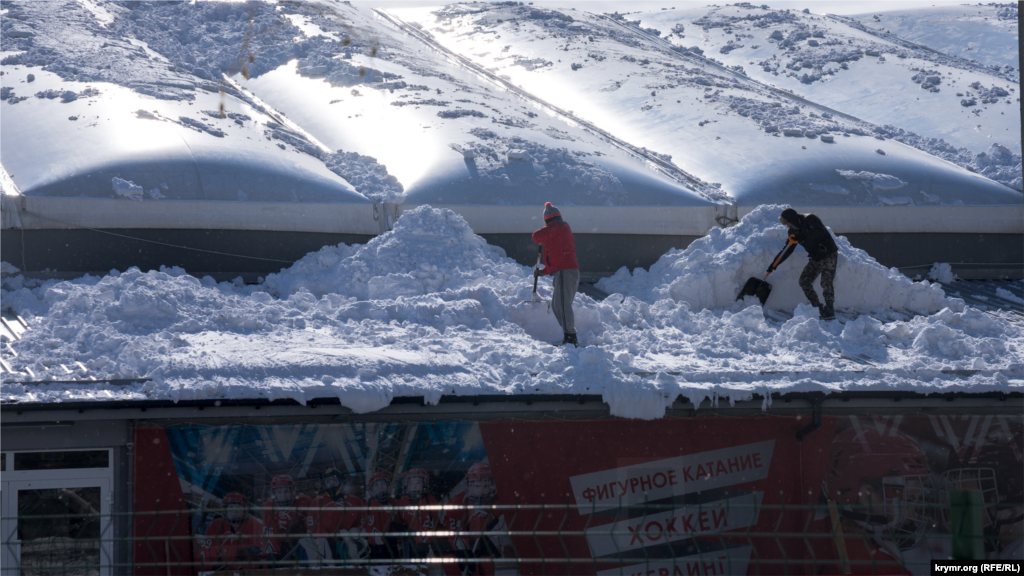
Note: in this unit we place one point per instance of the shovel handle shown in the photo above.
(540, 249)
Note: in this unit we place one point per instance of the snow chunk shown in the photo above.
(127, 189)
(877, 182)
(941, 273)
(1007, 295)
(999, 163)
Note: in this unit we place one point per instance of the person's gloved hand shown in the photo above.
(771, 269)
(537, 272)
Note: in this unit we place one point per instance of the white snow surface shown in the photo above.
(983, 32)
(430, 309)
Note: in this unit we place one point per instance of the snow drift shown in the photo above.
(710, 272)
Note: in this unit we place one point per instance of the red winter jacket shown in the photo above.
(559, 246)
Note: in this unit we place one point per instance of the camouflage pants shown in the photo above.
(826, 267)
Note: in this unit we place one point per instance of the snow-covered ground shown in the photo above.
(430, 309)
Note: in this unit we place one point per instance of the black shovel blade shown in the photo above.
(756, 287)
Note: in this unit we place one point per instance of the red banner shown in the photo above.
(862, 494)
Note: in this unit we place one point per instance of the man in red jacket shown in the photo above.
(559, 260)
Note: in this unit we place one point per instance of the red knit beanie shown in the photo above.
(550, 211)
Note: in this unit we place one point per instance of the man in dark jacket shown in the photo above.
(808, 231)
(559, 260)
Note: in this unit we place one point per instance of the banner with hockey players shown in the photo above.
(278, 497)
(861, 494)
(889, 484)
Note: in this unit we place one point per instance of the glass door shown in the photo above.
(8, 546)
(61, 526)
(56, 514)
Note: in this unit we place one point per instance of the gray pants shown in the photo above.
(566, 283)
(826, 267)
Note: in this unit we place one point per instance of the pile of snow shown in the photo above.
(429, 309)
(368, 176)
(428, 251)
(710, 272)
(1000, 164)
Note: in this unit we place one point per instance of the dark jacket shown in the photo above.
(812, 235)
(559, 246)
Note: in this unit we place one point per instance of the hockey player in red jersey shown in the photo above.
(233, 539)
(416, 492)
(879, 492)
(287, 516)
(378, 522)
(336, 521)
(480, 491)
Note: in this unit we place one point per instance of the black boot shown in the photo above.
(827, 313)
(570, 339)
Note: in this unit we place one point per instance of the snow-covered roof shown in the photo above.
(717, 122)
(986, 33)
(877, 77)
(580, 109)
(429, 309)
(74, 149)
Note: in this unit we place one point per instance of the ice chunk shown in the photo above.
(127, 189)
(878, 182)
(941, 273)
(518, 154)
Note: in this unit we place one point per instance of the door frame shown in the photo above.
(13, 481)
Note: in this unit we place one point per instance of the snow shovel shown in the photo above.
(536, 299)
(756, 287)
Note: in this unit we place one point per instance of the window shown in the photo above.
(61, 460)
